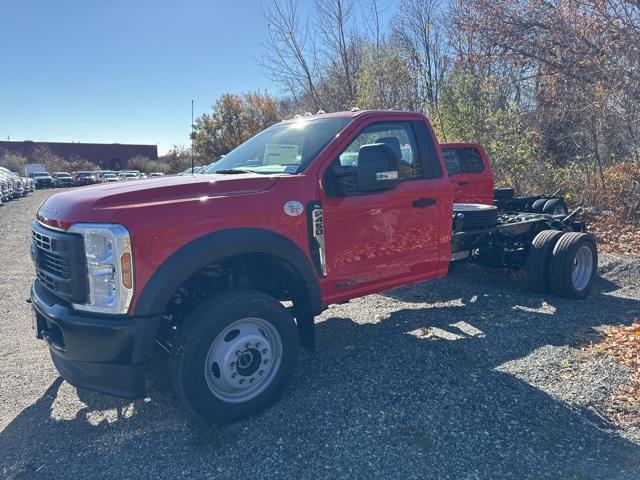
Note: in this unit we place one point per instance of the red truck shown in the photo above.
(226, 270)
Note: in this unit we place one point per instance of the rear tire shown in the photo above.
(538, 205)
(574, 265)
(539, 260)
(555, 206)
(234, 355)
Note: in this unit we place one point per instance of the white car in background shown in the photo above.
(104, 176)
(16, 181)
(129, 176)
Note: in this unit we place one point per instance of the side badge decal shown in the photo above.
(293, 208)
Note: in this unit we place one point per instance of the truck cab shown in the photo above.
(470, 172)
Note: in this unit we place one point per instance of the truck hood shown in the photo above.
(100, 203)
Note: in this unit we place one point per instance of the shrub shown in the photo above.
(13, 162)
(621, 191)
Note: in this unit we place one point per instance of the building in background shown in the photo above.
(107, 156)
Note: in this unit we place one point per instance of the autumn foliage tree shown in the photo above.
(551, 88)
(233, 119)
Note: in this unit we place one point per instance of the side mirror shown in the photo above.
(377, 168)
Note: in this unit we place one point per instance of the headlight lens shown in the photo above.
(109, 267)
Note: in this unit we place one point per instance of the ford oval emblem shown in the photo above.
(293, 208)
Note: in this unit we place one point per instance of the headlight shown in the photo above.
(109, 267)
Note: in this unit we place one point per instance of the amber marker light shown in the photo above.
(127, 273)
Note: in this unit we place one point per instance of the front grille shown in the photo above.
(45, 295)
(51, 255)
(60, 263)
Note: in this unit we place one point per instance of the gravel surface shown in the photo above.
(471, 377)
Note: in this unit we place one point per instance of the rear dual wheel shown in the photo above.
(555, 206)
(234, 355)
(574, 264)
(552, 206)
(564, 263)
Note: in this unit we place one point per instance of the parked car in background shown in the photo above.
(85, 177)
(128, 176)
(109, 177)
(62, 179)
(28, 183)
(16, 181)
(106, 176)
(156, 174)
(7, 181)
(6, 189)
(42, 179)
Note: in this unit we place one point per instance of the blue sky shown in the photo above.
(123, 70)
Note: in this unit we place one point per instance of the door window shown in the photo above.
(399, 136)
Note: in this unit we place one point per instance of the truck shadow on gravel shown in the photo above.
(386, 400)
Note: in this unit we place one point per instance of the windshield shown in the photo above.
(41, 174)
(282, 148)
(85, 174)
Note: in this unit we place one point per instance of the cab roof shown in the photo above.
(352, 114)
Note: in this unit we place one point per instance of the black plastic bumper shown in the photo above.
(100, 352)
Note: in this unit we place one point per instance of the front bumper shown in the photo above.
(105, 353)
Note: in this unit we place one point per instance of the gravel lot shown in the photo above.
(464, 378)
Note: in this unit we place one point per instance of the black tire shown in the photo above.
(555, 206)
(503, 193)
(539, 260)
(476, 216)
(565, 255)
(538, 205)
(196, 336)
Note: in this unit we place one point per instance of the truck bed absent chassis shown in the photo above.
(508, 241)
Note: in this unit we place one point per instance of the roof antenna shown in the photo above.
(192, 136)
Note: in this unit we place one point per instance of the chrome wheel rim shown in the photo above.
(582, 268)
(243, 360)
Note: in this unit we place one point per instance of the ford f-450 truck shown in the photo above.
(226, 270)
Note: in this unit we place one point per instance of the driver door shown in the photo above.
(383, 239)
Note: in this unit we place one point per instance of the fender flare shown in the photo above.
(193, 256)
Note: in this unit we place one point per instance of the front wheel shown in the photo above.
(234, 355)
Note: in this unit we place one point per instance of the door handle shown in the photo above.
(463, 184)
(424, 202)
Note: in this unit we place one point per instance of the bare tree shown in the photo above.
(341, 48)
(417, 31)
(291, 58)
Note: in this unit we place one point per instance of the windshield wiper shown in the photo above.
(232, 171)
